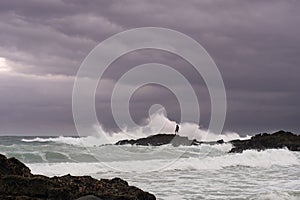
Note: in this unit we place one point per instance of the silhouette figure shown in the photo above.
(176, 129)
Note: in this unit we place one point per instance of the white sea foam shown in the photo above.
(184, 172)
(78, 141)
(249, 158)
(59, 169)
(186, 129)
(191, 130)
(276, 195)
(226, 147)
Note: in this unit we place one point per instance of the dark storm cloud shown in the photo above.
(255, 44)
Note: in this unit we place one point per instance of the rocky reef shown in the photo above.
(17, 182)
(280, 139)
(162, 139)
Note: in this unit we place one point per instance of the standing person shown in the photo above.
(176, 129)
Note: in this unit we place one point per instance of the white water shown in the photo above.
(250, 158)
(159, 124)
(194, 172)
(270, 174)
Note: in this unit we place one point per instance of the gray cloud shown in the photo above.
(255, 44)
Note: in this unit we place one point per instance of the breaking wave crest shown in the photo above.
(101, 137)
(249, 158)
(89, 140)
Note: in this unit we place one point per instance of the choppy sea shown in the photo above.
(198, 172)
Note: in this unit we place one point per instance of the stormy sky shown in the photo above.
(255, 44)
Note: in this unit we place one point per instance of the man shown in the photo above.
(176, 129)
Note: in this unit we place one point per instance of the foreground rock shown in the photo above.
(17, 182)
(162, 139)
(280, 139)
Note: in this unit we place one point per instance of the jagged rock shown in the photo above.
(12, 166)
(220, 141)
(264, 141)
(161, 139)
(17, 182)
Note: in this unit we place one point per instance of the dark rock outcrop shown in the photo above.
(280, 139)
(161, 139)
(17, 182)
(12, 166)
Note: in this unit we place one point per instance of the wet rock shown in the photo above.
(280, 139)
(13, 166)
(220, 141)
(17, 182)
(161, 139)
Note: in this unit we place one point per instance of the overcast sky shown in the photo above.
(255, 44)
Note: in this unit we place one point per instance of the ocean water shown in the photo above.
(198, 172)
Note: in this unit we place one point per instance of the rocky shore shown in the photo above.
(17, 182)
(280, 139)
(162, 139)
